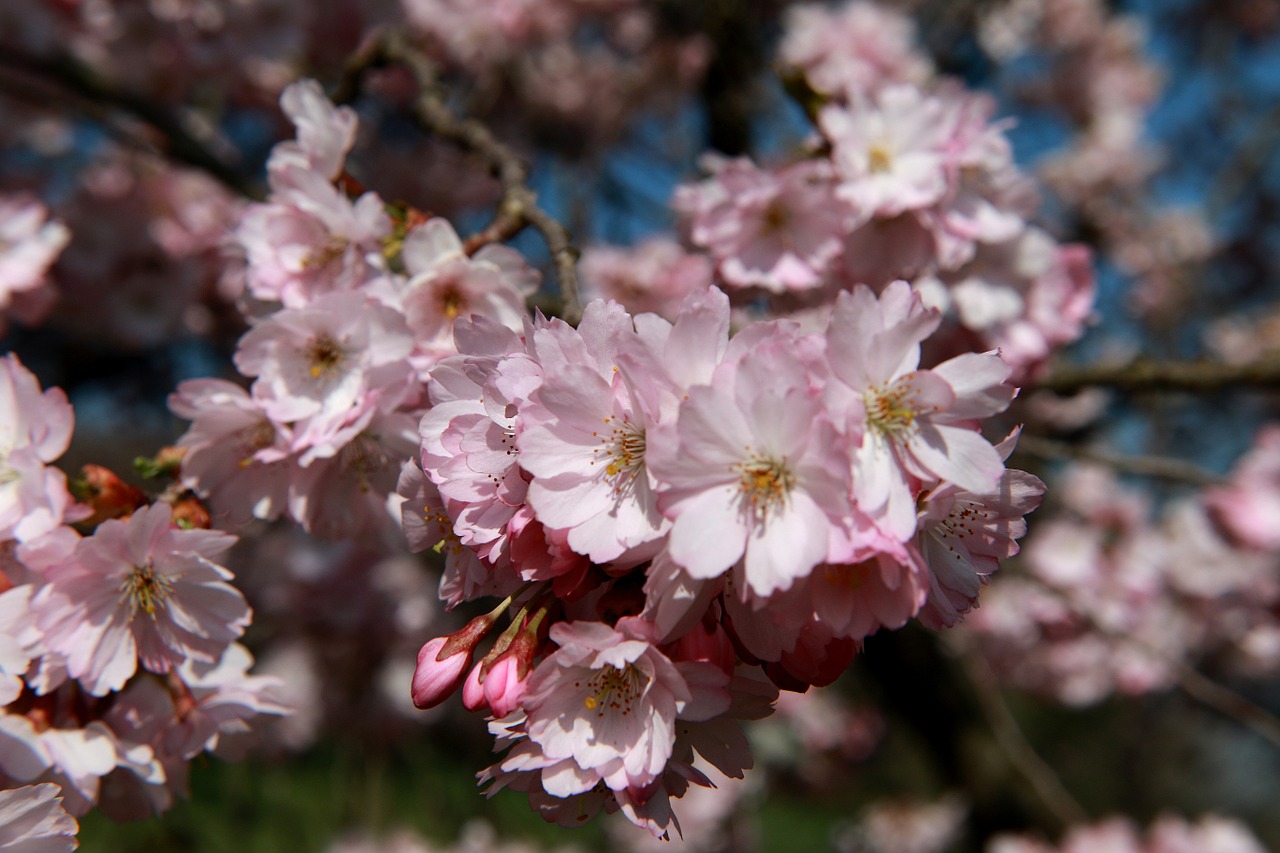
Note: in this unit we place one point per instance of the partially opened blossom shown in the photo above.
(325, 133)
(140, 592)
(603, 708)
(963, 536)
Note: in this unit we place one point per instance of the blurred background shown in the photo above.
(1124, 667)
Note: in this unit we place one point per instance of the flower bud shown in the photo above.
(503, 687)
(435, 680)
(473, 698)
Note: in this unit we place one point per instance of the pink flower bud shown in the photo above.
(473, 698)
(503, 686)
(435, 680)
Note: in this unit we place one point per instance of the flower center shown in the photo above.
(890, 411)
(145, 590)
(764, 482)
(452, 302)
(8, 474)
(879, 159)
(614, 690)
(326, 255)
(325, 355)
(776, 217)
(623, 449)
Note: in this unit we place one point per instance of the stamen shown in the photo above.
(890, 411)
(622, 450)
(325, 355)
(765, 483)
(614, 690)
(145, 590)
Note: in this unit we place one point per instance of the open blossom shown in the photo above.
(582, 438)
(445, 284)
(603, 708)
(653, 276)
(322, 358)
(890, 151)
(916, 421)
(235, 454)
(755, 472)
(311, 240)
(35, 429)
(777, 229)
(140, 591)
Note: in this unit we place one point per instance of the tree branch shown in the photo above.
(180, 144)
(519, 205)
(1017, 749)
(1164, 467)
(1146, 375)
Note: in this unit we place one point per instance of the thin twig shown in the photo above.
(179, 142)
(1226, 701)
(1163, 467)
(1143, 375)
(1013, 742)
(518, 207)
(1195, 684)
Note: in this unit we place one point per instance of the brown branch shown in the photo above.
(1013, 742)
(1163, 467)
(518, 208)
(179, 143)
(1227, 702)
(1146, 375)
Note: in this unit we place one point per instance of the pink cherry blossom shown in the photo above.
(890, 151)
(916, 421)
(140, 591)
(653, 276)
(319, 360)
(754, 473)
(779, 230)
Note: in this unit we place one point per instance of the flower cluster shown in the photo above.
(357, 302)
(1168, 834)
(670, 508)
(1116, 600)
(118, 654)
(909, 178)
